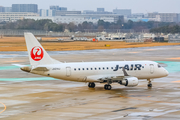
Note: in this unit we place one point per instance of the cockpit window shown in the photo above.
(159, 66)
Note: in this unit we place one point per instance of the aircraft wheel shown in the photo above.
(149, 85)
(91, 85)
(107, 87)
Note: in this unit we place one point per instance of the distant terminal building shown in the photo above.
(14, 16)
(5, 9)
(165, 17)
(1, 9)
(137, 15)
(46, 12)
(58, 8)
(79, 19)
(25, 8)
(100, 9)
(59, 12)
(88, 11)
(125, 12)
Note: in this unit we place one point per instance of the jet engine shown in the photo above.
(129, 82)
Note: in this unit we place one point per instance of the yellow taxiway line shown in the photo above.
(176, 81)
(4, 107)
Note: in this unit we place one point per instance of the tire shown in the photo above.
(105, 87)
(109, 87)
(93, 85)
(89, 85)
(149, 85)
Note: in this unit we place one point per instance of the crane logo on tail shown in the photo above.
(37, 53)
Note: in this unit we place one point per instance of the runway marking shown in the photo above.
(27, 79)
(176, 81)
(133, 52)
(12, 61)
(150, 49)
(178, 58)
(4, 107)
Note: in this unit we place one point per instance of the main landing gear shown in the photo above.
(149, 83)
(91, 85)
(107, 87)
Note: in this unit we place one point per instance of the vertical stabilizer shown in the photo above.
(37, 54)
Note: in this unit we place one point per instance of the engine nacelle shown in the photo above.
(130, 82)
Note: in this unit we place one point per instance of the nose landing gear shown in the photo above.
(149, 83)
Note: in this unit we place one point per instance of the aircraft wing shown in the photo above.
(102, 78)
(113, 77)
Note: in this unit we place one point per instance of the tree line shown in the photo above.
(166, 29)
(49, 25)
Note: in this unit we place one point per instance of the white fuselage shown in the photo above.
(94, 71)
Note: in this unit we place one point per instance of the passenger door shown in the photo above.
(151, 68)
(68, 71)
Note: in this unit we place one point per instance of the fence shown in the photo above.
(7, 32)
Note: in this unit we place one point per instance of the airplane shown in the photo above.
(127, 73)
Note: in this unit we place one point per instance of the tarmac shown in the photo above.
(25, 96)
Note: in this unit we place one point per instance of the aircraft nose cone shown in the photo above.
(166, 73)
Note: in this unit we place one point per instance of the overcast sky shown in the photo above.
(137, 6)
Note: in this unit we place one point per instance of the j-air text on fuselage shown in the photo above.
(125, 73)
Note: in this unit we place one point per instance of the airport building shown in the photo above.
(14, 16)
(25, 8)
(99, 11)
(53, 7)
(1, 9)
(5, 9)
(79, 19)
(60, 12)
(124, 12)
(45, 12)
(165, 17)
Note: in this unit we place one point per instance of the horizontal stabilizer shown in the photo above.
(40, 69)
(19, 65)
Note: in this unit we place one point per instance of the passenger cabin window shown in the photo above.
(99, 68)
(107, 68)
(95, 68)
(91, 69)
(79, 69)
(75, 69)
(111, 67)
(83, 69)
(87, 69)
